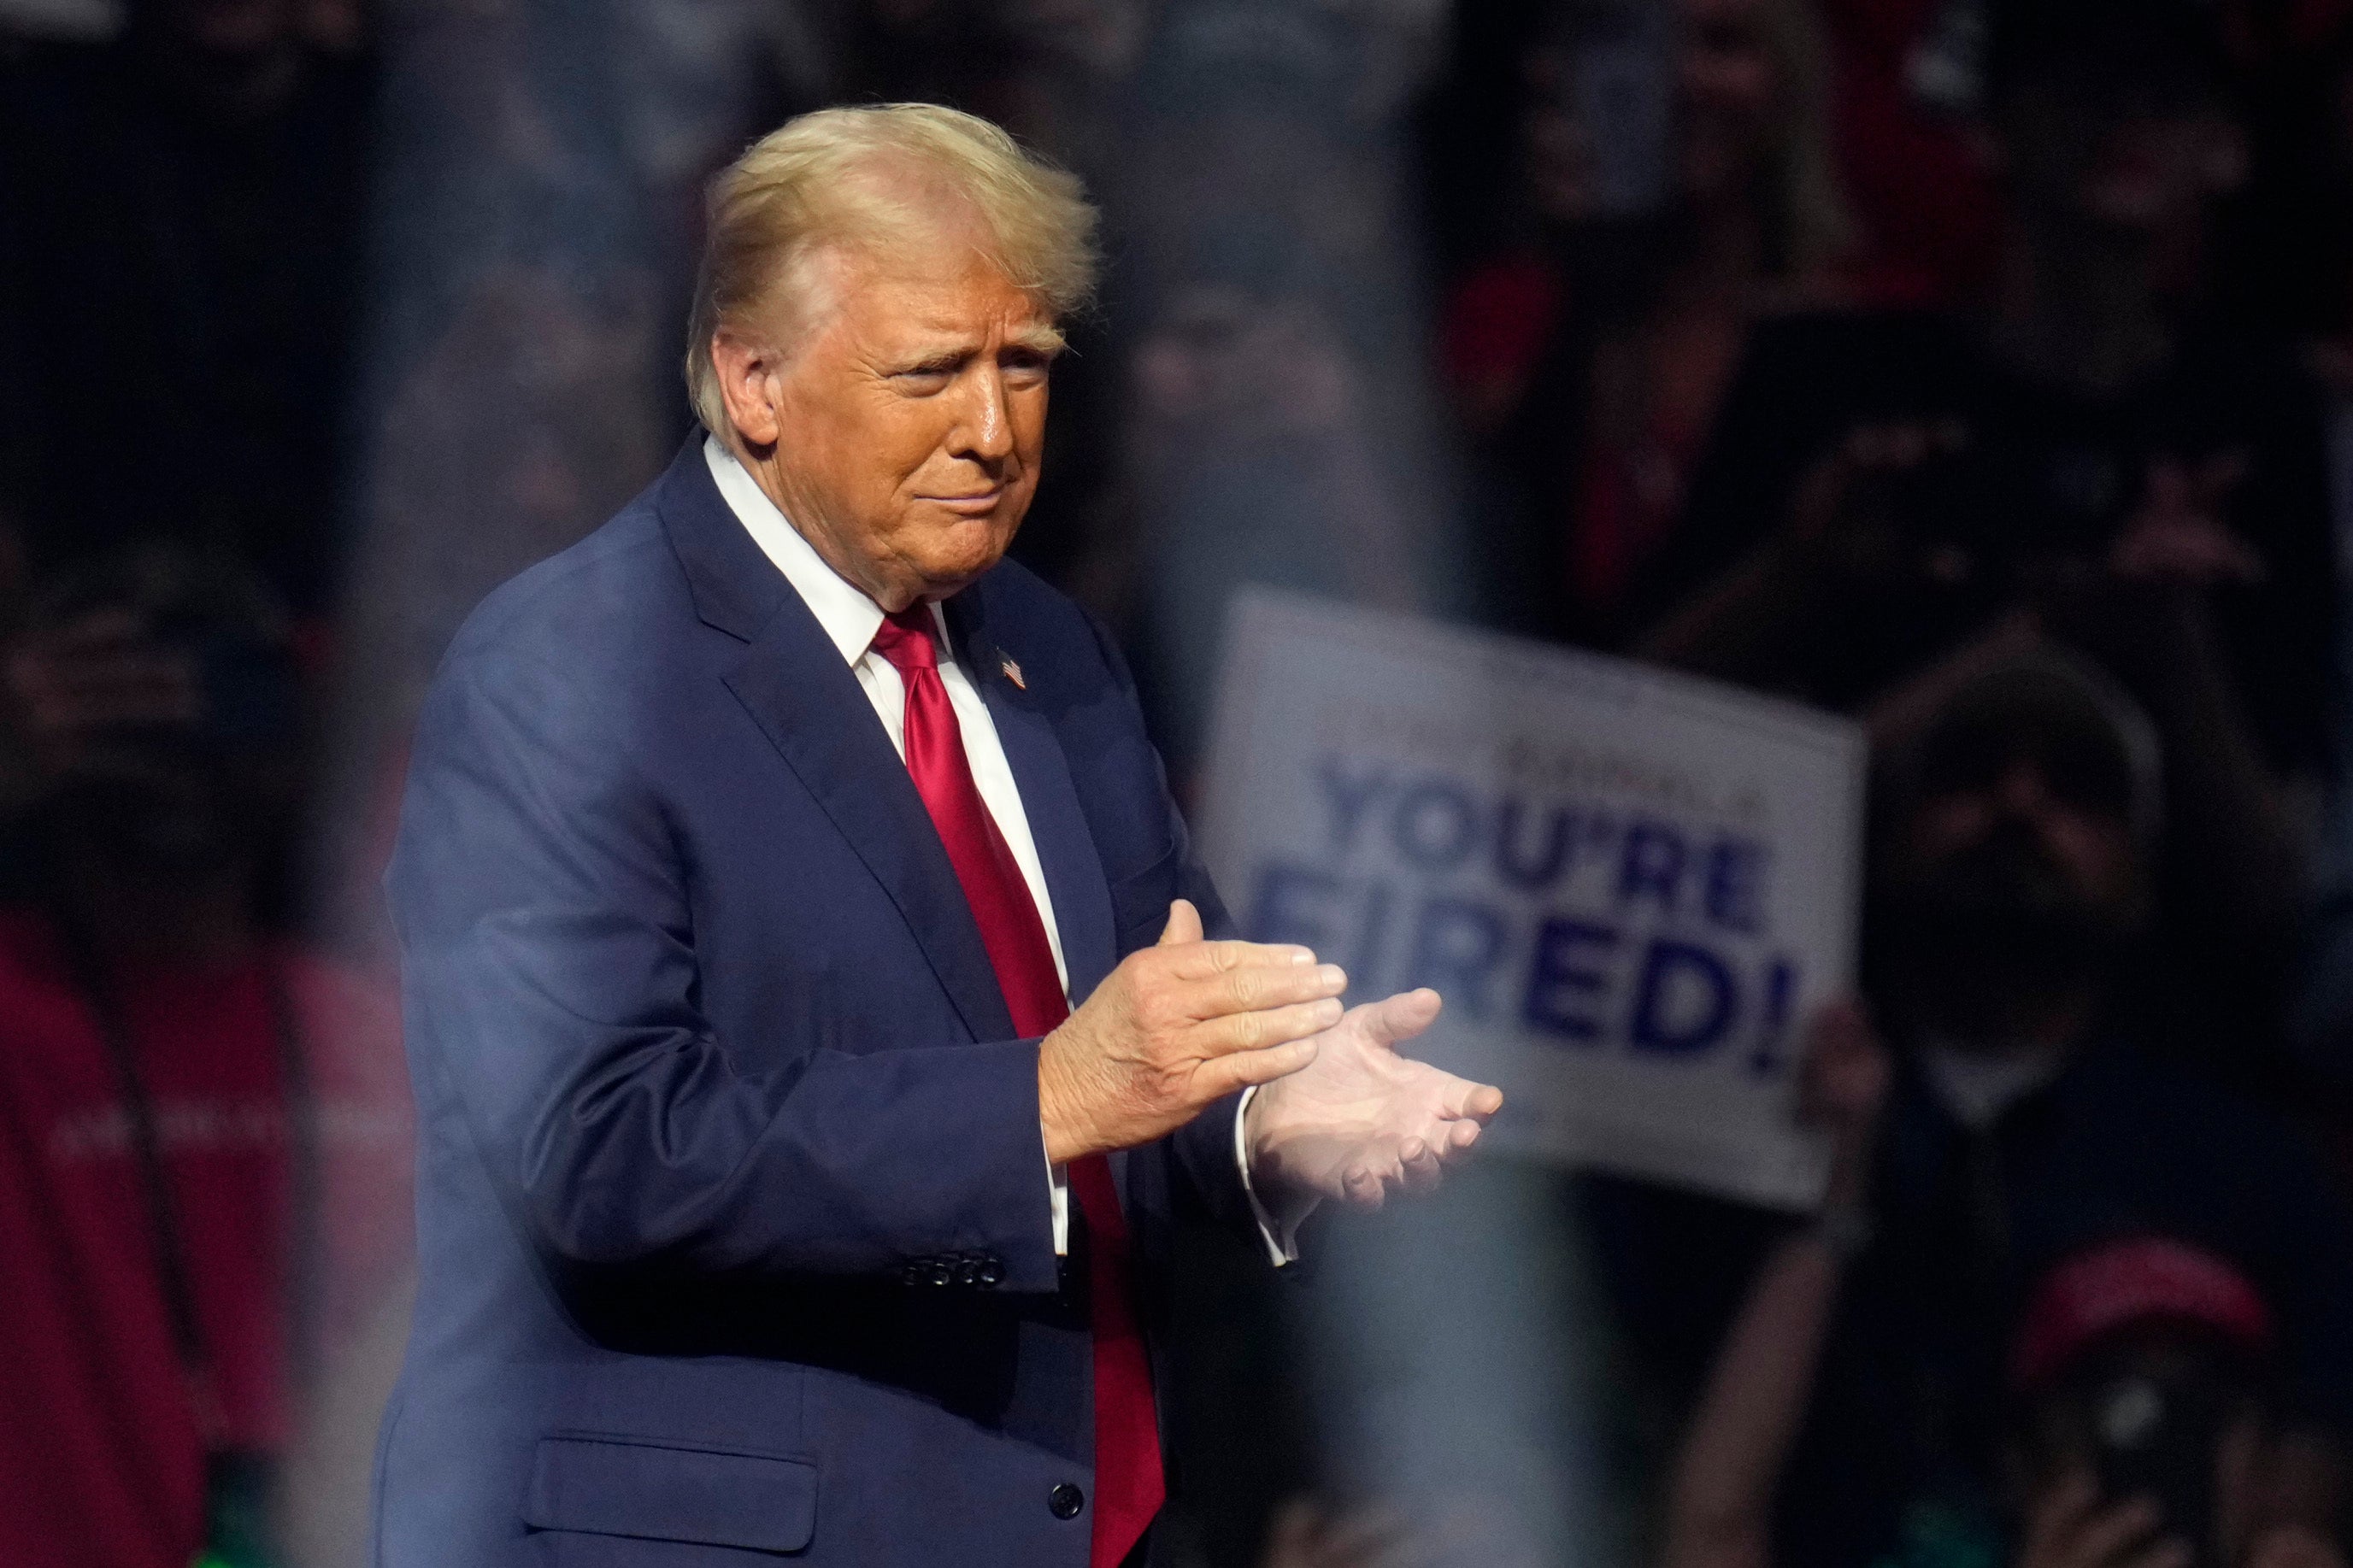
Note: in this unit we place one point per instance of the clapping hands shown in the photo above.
(1339, 1112)
(1361, 1121)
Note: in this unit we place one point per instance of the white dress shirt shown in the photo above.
(849, 620)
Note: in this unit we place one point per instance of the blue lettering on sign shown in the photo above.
(1736, 884)
(1658, 947)
(1562, 979)
(1514, 864)
(1682, 1000)
(1780, 990)
(1435, 826)
(1651, 865)
(1457, 945)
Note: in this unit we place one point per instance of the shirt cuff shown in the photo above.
(1282, 1244)
(1058, 1198)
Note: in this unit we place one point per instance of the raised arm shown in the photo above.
(1720, 1502)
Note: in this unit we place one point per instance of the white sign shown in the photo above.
(1632, 887)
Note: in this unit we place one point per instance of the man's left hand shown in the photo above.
(1360, 1120)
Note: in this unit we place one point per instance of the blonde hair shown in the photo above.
(828, 180)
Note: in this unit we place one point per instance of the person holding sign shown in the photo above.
(1900, 1387)
(818, 1017)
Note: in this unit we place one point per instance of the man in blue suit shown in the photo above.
(775, 1198)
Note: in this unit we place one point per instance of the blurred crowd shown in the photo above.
(1979, 369)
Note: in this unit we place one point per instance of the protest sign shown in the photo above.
(1630, 886)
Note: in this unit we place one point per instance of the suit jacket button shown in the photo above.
(991, 1272)
(1066, 1500)
(937, 1272)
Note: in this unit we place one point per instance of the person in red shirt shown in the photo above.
(203, 1133)
(1676, 186)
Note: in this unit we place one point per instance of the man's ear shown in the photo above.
(747, 383)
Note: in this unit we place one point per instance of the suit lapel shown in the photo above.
(797, 688)
(792, 682)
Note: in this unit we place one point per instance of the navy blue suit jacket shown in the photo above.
(734, 1224)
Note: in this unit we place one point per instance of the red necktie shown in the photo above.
(1128, 1484)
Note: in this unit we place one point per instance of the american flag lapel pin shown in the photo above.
(1012, 670)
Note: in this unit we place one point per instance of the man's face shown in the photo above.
(1732, 93)
(903, 428)
(2086, 852)
(2015, 881)
(2094, 144)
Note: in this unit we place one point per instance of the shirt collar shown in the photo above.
(850, 619)
(1978, 1087)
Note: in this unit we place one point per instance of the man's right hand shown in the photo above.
(1175, 1028)
(1842, 1091)
(2072, 1526)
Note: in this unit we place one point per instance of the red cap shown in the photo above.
(2094, 1293)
